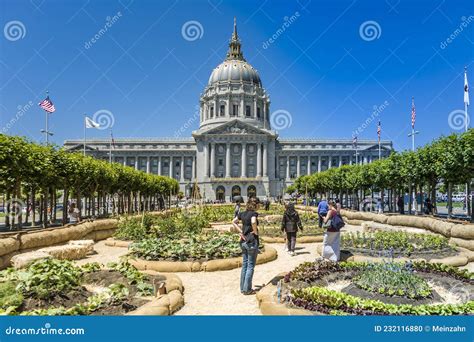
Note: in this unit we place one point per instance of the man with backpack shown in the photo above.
(332, 236)
(322, 211)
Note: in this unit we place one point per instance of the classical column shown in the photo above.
(265, 160)
(308, 166)
(227, 161)
(298, 166)
(213, 159)
(206, 159)
(159, 165)
(193, 169)
(244, 161)
(136, 163)
(350, 160)
(340, 161)
(170, 164)
(287, 167)
(181, 178)
(365, 160)
(147, 164)
(255, 108)
(319, 164)
(264, 110)
(259, 160)
(330, 162)
(242, 109)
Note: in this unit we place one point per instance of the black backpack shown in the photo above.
(337, 222)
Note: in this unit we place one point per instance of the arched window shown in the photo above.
(251, 191)
(220, 193)
(236, 191)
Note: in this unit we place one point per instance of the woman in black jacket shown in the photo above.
(290, 224)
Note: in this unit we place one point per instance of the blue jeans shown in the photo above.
(249, 254)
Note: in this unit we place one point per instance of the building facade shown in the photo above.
(234, 151)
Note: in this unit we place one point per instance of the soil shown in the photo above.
(95, 280)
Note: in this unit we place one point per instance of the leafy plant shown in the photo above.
(46, 278)
(325, 300)
(210, 245)
(9, 296)
(392, 279)
(134, 276)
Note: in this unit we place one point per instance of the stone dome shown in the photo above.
(234, 70)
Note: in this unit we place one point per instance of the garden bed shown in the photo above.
(58, 287)
(267, 254)
(363, 288)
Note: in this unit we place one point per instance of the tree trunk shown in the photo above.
(65, 206)
(450, 199)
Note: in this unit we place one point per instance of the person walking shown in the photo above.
(248, 243)
(338, 205)
(74, 213)
(401, 205)
(322, 211)
(332, 236)
(290, 224)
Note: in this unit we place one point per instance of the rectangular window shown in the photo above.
(212, 112)
(247, 111)
(222, 110)
(258, 112)
(235, 110)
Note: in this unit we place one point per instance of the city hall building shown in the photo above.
(234, 151)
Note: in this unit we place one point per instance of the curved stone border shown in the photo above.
(165, 304)
(268, 301)
(111, 242)
(268, 255)
(302, 239)
(13, 243)
(461, 259)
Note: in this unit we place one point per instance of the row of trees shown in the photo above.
(448, 160)
(35, 175)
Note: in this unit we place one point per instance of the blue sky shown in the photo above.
(324, 68)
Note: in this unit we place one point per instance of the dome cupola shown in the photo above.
(235, 91)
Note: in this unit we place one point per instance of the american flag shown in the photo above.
(112, 140)
(413, 113)
(354, 141)
(379, 130)
(47, 105)
(466, 89)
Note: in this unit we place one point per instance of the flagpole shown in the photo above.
(110, 147)
(84, 134)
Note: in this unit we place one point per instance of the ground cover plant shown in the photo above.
(397, 243)
(175, 223)
(391, 288)
(58, 287)
(205, 246)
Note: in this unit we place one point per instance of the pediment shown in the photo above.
(236, 127)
